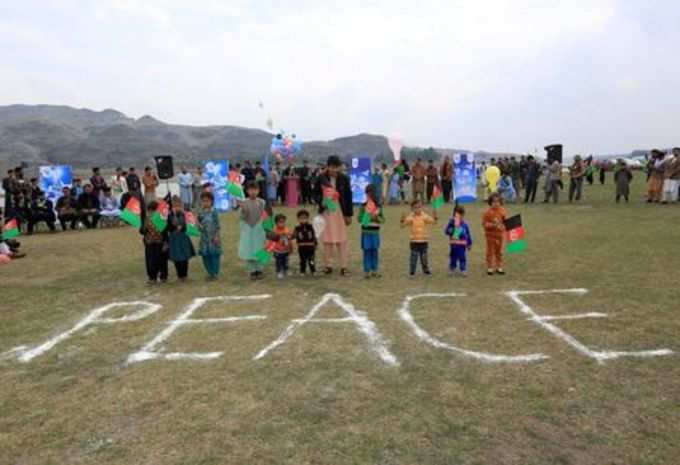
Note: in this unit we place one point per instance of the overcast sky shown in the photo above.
(600, 76)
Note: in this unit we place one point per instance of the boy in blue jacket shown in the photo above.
(460, 240)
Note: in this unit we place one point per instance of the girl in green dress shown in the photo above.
(252, 233)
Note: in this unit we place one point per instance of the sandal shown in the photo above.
(328, 270)
(344, 272)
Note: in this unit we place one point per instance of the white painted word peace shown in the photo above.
(153, 350)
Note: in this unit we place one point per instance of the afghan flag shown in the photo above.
(132, 213)
(160, 216)
(235, 190)
(437, 198)
(514, 234)
(267, 221)
(10, 230)
(370, 210)
(264, 256)
(330, 197)
(192, 224)
(234, 187)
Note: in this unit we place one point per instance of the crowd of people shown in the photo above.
(99, 201)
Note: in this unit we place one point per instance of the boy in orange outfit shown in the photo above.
(492, 221)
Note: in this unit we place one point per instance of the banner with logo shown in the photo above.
(360, 177)
(216, 173)
(465, 178)
(53, 178)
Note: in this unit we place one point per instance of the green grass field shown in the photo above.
(323, 397)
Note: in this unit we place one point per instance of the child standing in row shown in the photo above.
(156, 247)
(371, 217)
(305, 239)
(460, 240)
(181, 247)
(420, 222)
(493, 223)
(282, 237)
(252, 234)
(210, 246)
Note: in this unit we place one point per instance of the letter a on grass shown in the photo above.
(376, 343)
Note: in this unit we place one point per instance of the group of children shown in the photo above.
(460, 237)
(258, 242)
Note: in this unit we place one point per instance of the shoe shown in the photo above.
(500, 271)
(253, 276)
(463, 274)
(367, 275)
(164, 281)
(489, 272)
(151, 282)
(375, 274)
(427, 273)
(328, 270)
(411, 275)
(344, 272)
(280, 275)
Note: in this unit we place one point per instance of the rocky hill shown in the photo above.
(49, 134)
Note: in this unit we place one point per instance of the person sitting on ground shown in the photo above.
(109, 208)
(88, 207)
(42, 210)
(67, 209)
(9, 249)
(506, 187)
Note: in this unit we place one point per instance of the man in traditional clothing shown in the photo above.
(418, 174)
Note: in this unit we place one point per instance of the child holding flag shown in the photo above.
(305, 239)
(252, 234)
(460, 240)
(493, 223)
(419, 221)
(282, 238)
(181, 247)
(371, 217)
(155, 247)
(210, 246)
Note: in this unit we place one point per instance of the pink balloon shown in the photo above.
(396, 144)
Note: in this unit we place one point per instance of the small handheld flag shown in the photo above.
(437, 198)
(160, 216)
(10, 230)
(192, 225)
(132, 213)
(330, 196)
(235, 190)
(264, 255)
(267, 221)
(514, 234)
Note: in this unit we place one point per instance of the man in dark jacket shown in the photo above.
(88, 207)
(41, 210)
(134, 184)
(533, 172)
(67, 210)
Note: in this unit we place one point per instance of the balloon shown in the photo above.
(492, 175)
(396, 144)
